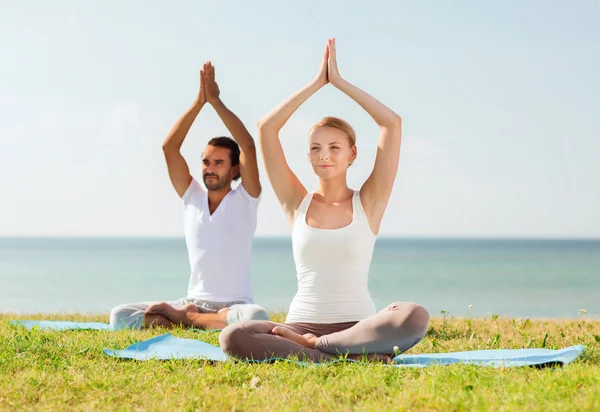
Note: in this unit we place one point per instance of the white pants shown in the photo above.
(131, 315)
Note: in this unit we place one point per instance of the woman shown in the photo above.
(333, 235)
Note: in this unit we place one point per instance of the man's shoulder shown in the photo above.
(241, 195)
(194, 191)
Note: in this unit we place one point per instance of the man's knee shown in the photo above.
(115, 315)
(254, 312)
(244, 312)
(124, 317)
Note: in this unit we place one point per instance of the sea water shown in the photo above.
(520, 278)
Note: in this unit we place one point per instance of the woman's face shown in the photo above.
(329, 152)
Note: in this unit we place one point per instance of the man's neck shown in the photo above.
(215, 197)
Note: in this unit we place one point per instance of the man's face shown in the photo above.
(217, 172)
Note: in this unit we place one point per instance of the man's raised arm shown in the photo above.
(179, 171)
(248, 162)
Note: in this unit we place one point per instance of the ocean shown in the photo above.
(516, 278)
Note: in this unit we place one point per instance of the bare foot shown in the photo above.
(179, 315)
(190, 307)
(175, 315)
(157, 309)
(223, 315)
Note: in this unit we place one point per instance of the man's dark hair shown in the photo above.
(234, 149)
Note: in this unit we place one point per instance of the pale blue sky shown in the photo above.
(500, 101)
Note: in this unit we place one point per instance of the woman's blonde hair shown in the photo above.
(337, 123)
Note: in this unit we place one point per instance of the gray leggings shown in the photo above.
(400, 325)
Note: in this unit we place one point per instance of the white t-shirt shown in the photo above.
(219, 245)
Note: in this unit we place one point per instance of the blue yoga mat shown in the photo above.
(495, 357)
(169, 347)
(166, 346)
(60, 325)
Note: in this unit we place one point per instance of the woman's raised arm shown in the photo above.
(286, 185)
(377, 189)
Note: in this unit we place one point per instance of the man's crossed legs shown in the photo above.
(188, 312)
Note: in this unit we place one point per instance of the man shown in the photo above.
(219, 225)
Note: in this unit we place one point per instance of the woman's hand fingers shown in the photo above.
(333, 71)
(332, 54)
(288, 334)
(322, 78)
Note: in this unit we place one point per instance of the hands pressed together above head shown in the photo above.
(328, 70)
(209, 89)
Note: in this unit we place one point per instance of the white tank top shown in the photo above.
(332, 266)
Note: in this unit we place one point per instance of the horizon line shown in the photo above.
(288, 237)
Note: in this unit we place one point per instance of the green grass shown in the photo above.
(67, 370)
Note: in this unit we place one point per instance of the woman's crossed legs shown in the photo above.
(399, 325)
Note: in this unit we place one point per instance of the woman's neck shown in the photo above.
(334, 190)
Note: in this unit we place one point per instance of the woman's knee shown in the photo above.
(419, 318)
(411, 315)
(228, 338)
(233, 338)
